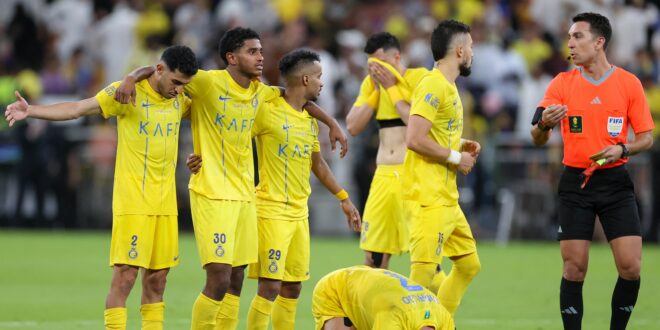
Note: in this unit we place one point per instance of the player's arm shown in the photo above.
(386, 79)
(336, 134)
(418, 140)
(324, 174)
(20, 110)
(643, 141)
(545, 119)
(336, 323)
(363, 108)
(126, 91)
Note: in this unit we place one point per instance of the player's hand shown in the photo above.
(352, 215)
(16, 111)
(467, 163)
(472, 147)
(610, 154)
(337, 135)
(381, 75)
(194, 163)
(553, 114)
(126, 91)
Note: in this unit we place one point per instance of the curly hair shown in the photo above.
(180, 58)
(235, 39)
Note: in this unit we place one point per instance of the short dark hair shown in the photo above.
(443, 34)
(384, 40)
(235, 39)
(180, 58)
(294, 60)
(599, 25)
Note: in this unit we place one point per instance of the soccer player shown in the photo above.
(384, 231)
(288, 150)
(435, 154)
(144, 223)
(371, 298)
(225, 104)
(594, 104)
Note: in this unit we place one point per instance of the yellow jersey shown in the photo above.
(427, 181)
(286, 139)
(148, 145)
(406, 83)
(222, 117)
(375, 298)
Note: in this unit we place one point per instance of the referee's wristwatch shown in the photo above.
(625, 153)
(542, 127)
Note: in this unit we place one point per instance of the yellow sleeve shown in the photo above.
(366, 88)
(259, 127)
(106, 98)
(268, 93)
(200, 83)
(426, 98)
(317, 145)
(187, 105)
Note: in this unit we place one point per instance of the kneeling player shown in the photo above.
(372, 298)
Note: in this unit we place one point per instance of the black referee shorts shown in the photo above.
(608, 194)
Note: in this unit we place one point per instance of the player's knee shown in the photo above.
(155, 282)
(291, 290)
(574, 271)
(630, 270)
(470, 265)
(269, 289)
(236, 280)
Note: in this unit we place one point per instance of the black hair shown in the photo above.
(235, 39)
(181, 58)
(599, 25)
(294, 60)
(384, 40)
(443, 34)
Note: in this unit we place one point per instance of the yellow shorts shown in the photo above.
(386, 213)
(326, 298)
(147, 241)
(438, 231)
(283, 250)
(225, 230)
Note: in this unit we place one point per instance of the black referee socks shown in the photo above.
(570, 302)
(623, 302)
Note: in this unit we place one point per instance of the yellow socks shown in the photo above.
(227, 317)
(115, 318)
(204, 313)
(438, 278)
(453, 288)
(284, 313)
(259, 314)
(422, 273)
(152, 316)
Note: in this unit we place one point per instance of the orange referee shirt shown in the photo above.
(599, 112)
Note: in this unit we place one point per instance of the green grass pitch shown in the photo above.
(59, 280)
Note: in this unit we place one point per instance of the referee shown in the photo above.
(594, 104)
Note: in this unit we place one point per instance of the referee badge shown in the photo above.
(575, 124)
(273, 267)
(614, 126)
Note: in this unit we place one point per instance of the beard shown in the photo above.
(464, 70)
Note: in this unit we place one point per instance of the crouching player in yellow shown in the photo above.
(370, 298)
(144, 224)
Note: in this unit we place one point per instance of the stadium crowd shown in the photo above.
(54, 50)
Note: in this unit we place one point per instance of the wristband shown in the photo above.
(342, 195)
(542, 127)
(454, 157)
(372, 100)
(395, 94)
